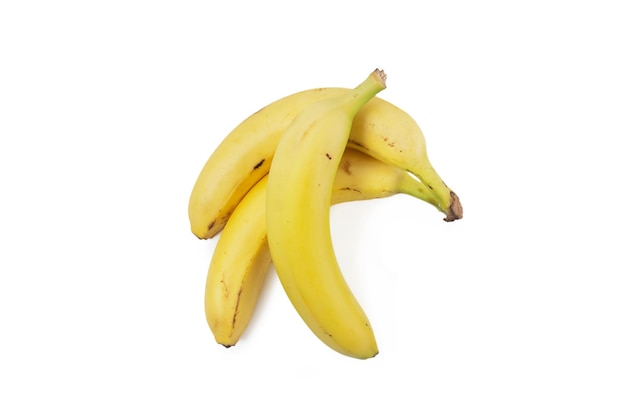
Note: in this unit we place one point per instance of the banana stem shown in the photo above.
(372, 85)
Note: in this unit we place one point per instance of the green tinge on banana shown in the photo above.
(242, 257)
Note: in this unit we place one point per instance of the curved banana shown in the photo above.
(240, 160)
(379, 129)
(298, 197)
(241, 258)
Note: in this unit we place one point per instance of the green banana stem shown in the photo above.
(372, 85)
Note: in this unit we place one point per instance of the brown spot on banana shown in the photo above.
(390, 144)
(356, 190)
(224, 287)
(328, 156)
(345, 167)
(236, 308)
(211, 225)
(258, 165)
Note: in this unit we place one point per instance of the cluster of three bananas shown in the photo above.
(268, 188)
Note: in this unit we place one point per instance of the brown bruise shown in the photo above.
(237, 307)
(346, 167)
(356, 190)
(390, 144)
(258, 165)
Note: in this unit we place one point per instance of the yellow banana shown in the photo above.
(241, 258)
(240, 160)
(379, 129)
(298, 197)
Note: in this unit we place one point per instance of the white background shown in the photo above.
(108, 110)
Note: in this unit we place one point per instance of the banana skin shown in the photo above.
(298, 198)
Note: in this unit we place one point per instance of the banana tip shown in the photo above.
(455, 211)
(382, 77)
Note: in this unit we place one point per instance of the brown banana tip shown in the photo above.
(381, 76)
(455, 211)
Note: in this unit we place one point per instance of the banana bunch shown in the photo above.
(268, 188)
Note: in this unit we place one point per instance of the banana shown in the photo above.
(244, 156)
(240, 160)
(242, 257)
(298, 197)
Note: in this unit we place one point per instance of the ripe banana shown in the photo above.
(242, 257)
(298, 197)
(379, 129)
